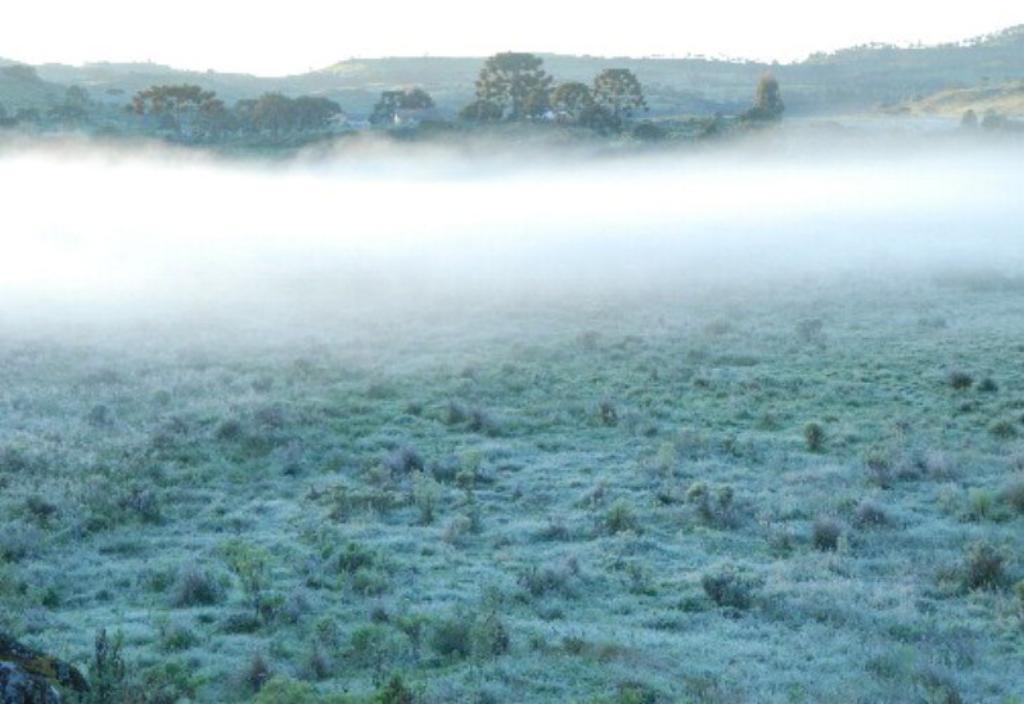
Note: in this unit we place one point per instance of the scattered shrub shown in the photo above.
(404, 460)
(825, 534)
(229, 430)
(257, 672)
(540, 580)
(107, 671)
(961, 381)
(1013, 495)
(814, 437)
(620, 517)
(727, 587)
(1003, 429)
(250, 563)
(983, 567)
(451, 637)
(981, 503)
(425, 493)
(196, 587)
(870, 514)
(283, 690)
(988, 386)
(717, 511)
(607, 413)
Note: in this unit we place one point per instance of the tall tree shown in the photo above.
(619, 92)
(513, 81)
(768, 105)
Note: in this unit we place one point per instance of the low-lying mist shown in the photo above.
(94, 236)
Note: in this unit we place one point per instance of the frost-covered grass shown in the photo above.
(763, 495)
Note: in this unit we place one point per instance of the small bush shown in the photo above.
(727, 587)
(404, 460)
(257, 672)
(176, 637)
(425, 494)
(983, 568)
(988, 386)
(196, 587)
(1003, 429)
(960, 381)
(607, 413)
(814, 437)
(620, 518)
(452, 637)
(229, 430)
(870, 514)
(282, 690)
(825, 534)
(394, 692)
(1013, 495)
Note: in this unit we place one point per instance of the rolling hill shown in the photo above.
(855, 79)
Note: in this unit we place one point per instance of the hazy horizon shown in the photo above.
(210, 40)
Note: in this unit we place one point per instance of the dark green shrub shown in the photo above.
(814, 437)
(825, 534)
(983, 568)
(196, 587)
(961, 381)
(727, 587)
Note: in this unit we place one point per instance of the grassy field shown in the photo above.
(803, 493)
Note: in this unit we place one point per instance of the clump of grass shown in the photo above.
(814, 437)
(620, 517)
(960, 380)
(825, 534)
(425, 494)
(981, 504)
(728, 587)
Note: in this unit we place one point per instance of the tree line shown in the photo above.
(511, 87)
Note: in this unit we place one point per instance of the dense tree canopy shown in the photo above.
(514, 82)
(392, 101)
(571, 101)
(619, 92)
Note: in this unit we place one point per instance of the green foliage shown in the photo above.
(251, 564)
(983, 567)
(618, 91)
(512, 82)
(282, 690)
(107, 671)
(393, 101)
(814, 437)
(727, 586)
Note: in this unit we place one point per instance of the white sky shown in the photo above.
(273, 38)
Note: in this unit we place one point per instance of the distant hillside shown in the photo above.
(859, 78)
(21, 87)
(1006, 99)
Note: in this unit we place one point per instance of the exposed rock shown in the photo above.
(28, 676)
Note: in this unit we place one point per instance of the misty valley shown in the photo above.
(407, 424)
